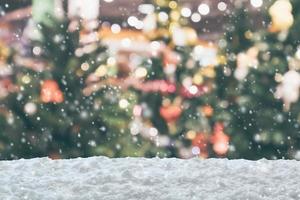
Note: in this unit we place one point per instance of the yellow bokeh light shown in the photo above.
(140, 72)
(198, 79)
(85, 66)
(111, 61)
(26, 79)
(161, 2)
(173, 4)
(175, 15)
(191, 134)
(101, 71)
(123, 103)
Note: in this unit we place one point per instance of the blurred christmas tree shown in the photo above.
(60, 108)
(175, 93)
(259, 83)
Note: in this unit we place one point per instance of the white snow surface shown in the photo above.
(155, 179)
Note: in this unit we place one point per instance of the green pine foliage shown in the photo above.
(257, 122)
(191, 117)
(80, 125)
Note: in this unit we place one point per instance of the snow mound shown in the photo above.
(140, 178)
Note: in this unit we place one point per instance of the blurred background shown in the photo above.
(151, 78)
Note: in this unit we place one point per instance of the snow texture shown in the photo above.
(155, 179)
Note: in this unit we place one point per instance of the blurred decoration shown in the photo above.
(258, 85)
(170, 113)
(87, 10)
(289, 88)
(48, 107)
(199, 141)
(50, 92)
(157, 89)
(177, 100)
(281, 14)
(219, 139)
(41, 10)
(4, 53)
(244, 61)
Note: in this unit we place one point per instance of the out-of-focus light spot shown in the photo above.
(191, 135)
(163, 17)
(123, 103)
(153, 132)
(85, 66)
(196, 150)
(30, 108)
(186, 12)
(193, 89)
(297, 155)
(139, 25)
(111, 61)
(137, 110)
(79, 52)
(135, 22)
(155, 45)
(37, 51)
(298, 54)
(26, 79)
(140, 72)
(173, 4)
(135, 128)
(278, 77)
(222, 6)
(108, 1)
(126, 42)
(256, 3)
(196, 17)
(146, 8)
(132, 20)
(198, 79)
(115, 28)
(92, 143)
(203, 9)
(187, 82)
(101, 71)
